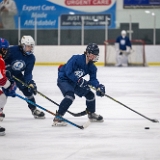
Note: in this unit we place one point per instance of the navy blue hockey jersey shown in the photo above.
(20, 65)
(76, 68)
(123, 42)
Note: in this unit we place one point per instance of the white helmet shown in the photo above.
(27, 41)
(123, 33)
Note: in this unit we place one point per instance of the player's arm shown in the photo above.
(117, 46)
(3, 79)
(28, 76)
(93, 76)
(100, 88)
(29, 68)
(8, 87)
(4, 82)
(71, 70)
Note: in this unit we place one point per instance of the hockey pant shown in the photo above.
(68, 90)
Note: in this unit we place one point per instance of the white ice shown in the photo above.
(120, 137)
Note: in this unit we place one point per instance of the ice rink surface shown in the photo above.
(120, 137)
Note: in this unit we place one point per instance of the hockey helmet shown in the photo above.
(93, 49)
(123, 33)
(4, 45)
(27, 41)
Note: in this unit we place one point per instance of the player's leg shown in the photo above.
(90, 104)
(68, 93)
(3, 100)
(118, 59)
(125, 60)
(35, 112)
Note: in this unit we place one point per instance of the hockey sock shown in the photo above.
(66, 102)
(32, 107)
(90, 102)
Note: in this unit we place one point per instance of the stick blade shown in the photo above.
(85, 125)
(155, 121)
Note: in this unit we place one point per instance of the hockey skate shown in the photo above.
(93, 117)
(58, 122)
(38, 114)
(2, 131)
(2, 116)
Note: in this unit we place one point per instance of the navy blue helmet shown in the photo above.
(92, 48)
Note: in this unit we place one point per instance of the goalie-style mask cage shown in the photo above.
(123, 33)
(4, 45)
(25, 42)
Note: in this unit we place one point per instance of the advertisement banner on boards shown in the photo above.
(47, 13)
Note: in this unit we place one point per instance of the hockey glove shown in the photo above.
(100, 90)
(83, 83)
(32, 87)
(9, 75)
(10, 91)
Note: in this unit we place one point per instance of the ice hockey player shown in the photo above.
(123, 49)
(20, 62)
(7, 88)
(71, 83)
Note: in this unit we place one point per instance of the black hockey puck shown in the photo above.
(146, 128)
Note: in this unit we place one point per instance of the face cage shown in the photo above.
(96, 58)
(28, 52)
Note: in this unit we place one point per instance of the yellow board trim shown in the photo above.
(59, 63)
(97, 63)
(154, 64)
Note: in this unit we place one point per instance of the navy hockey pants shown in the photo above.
(68, 90)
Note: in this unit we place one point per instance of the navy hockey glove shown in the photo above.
(83, 83)
(10, 91)
(32, 87)
(9, 75)
(100, 90)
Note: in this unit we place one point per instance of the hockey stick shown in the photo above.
(73, 114)
(83, 113)
(61, 118)
(152, 120)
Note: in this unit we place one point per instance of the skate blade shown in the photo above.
(2, 133)
(39, 117)
(55, 124)
(94, 120)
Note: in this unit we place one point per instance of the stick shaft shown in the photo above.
(73, 114)
(27, 100)
(152, 120)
